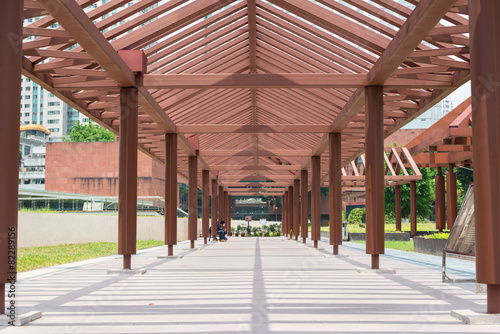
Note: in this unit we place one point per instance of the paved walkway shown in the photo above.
(246, 285)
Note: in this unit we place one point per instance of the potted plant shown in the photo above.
(256, 231)
(277, 229)
(271, 229)
(242, 230)
(233, 231)
(265, 229)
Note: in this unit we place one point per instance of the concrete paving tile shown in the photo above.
(248, 285)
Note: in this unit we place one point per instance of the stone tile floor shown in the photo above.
(248, 285)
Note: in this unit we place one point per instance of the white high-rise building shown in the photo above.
(431, 116)
(40, 107)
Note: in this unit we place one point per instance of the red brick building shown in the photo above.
(92, 168)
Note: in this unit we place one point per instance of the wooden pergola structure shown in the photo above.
(282, 90)
(448, 143)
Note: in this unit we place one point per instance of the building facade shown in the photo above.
(32, 161)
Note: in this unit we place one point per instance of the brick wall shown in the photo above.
(92, 168)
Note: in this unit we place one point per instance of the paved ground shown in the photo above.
(248, 285)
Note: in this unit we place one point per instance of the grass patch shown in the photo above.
(406, 246)
(31, 258)
(405, 227)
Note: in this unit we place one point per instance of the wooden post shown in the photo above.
(214, 208)
(413, 207)
(316, 200)
(171, 191)
(440, 201)
(205, 204)
(127, 184)
(290, 212)
(296, 208)
(485, 76)
(335, 182)
(221, 204)
(226, 211)
(192, 199)
(304, 205)
(283, 214)
(229, 206)
(284, 224)
(374, 126)
(397, 190)
(11, 13)
(451, 196)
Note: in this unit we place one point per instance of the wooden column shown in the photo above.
(171, 191)
(413, 207)
(283, 214)
(335, 182)
(229, 215)
(205, 204)
(284, 223)
(374, 148)
(451, 196)
(11, 13)
(304, 205)
(485, 76)
(221, 204)
(127, 181)
(226, 211)
(214, 209)
(316, 200)
(440, 201)
(192, 199)
(290, 212)
(296, 208)
(397, 190)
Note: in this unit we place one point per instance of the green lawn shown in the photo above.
(354, 228)
(400, 245)
(31, 258)
(405, 227)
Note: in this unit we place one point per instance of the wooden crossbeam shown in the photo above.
(253, 128)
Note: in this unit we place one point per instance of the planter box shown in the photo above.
(404, 236)
(429, 246)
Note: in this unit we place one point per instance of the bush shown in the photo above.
(356, 216)
(390, 218)
(440, 235)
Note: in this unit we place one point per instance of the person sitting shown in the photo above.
(221, 232)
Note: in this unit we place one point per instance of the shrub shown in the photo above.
(440, 235)
(356, 216)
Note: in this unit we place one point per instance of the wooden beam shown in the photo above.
(235, 80)
(76, 22)
(251, 128)
(253, 167)
(421, 22)
(255, 177)
(254, 153)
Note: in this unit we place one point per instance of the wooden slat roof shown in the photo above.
(250, 76)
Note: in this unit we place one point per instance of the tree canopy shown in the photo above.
(425, 196)
(89, 133)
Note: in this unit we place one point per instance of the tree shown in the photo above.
(425, 196)
(273, 200)
(20, 156)
(89, 133)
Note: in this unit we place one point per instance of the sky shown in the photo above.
(460, 95)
